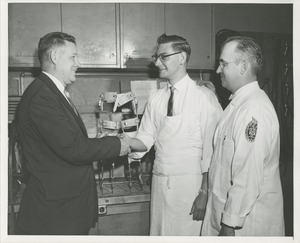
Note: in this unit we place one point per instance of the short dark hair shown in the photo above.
(178, 43)
(53, 39)
(249, 49)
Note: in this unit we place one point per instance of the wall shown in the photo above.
(270, 18)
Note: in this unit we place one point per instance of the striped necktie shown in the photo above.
(170, 102)
(70, 102)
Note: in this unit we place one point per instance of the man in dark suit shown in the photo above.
(60, 196)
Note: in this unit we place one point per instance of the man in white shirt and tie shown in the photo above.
(182, 140)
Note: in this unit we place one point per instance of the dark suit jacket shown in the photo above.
(60, 197)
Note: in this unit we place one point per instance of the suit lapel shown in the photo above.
(55, 90)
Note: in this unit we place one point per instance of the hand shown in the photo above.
(125, 136)
(125, 144)
(199, 206)
(207, 84)
(227, 231)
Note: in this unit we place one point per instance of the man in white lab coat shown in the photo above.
(181, 127)
(245, 194)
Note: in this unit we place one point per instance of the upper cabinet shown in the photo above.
(96, 29)
(193, 22)
(141, 24)
(27, 24)
(118, 35)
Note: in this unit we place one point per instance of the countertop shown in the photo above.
(121, 193)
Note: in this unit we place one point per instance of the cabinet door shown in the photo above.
(95, 27)
(27, 23)
(141, 25)
(193, 22)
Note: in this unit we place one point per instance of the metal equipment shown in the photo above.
(118, 114)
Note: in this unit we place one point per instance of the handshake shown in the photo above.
(130, 144)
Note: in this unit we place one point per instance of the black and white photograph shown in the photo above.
(149, 121)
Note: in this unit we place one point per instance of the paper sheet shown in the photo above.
(142, 89)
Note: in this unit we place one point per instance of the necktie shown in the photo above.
(70, 102)
(170, 102)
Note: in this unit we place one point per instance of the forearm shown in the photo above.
(204, 184)
(137, 145)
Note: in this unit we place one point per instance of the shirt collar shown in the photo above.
(181, 85)
(241, 92)
(58, 84)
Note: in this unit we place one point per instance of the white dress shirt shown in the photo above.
(201, 109)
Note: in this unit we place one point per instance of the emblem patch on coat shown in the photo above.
(251, 130)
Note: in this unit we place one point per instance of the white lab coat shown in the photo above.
(183, 145)
(244, 181)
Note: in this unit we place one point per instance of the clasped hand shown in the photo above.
(125, 144)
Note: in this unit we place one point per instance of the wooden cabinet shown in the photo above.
(193, 22)
(27, 23)
(141, 25)
(96, 29)
(117, 35)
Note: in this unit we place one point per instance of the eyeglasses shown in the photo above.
(163, 57)
(223, 63)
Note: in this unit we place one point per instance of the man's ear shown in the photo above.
(244, 66)
(54, 56)
(183, 58)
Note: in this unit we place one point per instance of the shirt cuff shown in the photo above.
(137, 155)
(233, 221)
(204, 164)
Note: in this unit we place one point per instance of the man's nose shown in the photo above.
(157, 62)
(219, 69)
